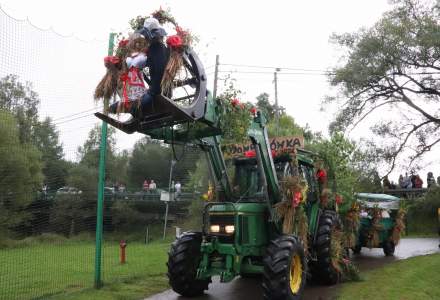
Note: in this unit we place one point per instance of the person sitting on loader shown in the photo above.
(157, 59)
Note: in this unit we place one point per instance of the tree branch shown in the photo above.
(408, 135)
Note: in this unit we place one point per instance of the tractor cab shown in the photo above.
(247, 182)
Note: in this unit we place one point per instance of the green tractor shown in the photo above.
(241, 234)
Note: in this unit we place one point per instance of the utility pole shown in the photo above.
(214, 92)
(277, 111)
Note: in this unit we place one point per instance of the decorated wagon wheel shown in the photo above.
(189, 83)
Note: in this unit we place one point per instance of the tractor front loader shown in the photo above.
(242, 232)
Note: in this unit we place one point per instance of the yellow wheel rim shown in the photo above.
(295, 274)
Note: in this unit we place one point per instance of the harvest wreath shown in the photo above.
(124, 69)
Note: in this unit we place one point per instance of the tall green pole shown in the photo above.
(101, 181)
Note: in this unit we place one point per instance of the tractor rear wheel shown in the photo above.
(183, 261)
(285, 269)
(388, 248)
(323, 269)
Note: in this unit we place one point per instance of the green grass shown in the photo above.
(413, 278)
(66, 271)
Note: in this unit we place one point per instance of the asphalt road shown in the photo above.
(243, 289)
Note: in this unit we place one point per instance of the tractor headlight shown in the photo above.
(214, 228)
(229, 229)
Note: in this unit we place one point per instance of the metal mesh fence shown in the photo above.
(49, 148)
(45, 113)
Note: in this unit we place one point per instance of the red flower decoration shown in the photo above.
(122, 43)
(250, 153)
(174, 41)
(338, 199)
(114, 60)
(321, 174)
(296, 200)
(235, 102)
(253, 111)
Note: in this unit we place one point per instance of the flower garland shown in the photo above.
(399, 226)
(351, 226)
(376, 227)
(294, 192)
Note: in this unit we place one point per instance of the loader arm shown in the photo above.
(257, 132)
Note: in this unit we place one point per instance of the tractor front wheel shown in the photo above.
(323, 269)
(183, 261)
(285, 269)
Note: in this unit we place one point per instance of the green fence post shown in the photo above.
(100, 204)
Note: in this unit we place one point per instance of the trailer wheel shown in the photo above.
(285, 269)
(388, 248)
(323, 270)
(357, 249)
(183, 260)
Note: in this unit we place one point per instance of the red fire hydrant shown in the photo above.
(122, 246)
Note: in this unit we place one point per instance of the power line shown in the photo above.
(268, 72)
(73, 119)
(268, 67)
(78, 113)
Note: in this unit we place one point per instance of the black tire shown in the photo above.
(388, 248)
(183, 260)
(282, 254)
(357, 249)
(323, 270)
(250, 275)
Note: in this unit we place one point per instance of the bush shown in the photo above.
(422, 214)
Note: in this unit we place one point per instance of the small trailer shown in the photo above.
(381, 222)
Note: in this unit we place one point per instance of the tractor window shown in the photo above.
(246, 183)
(309, 174)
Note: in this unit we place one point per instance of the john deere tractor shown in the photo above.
(242, 234)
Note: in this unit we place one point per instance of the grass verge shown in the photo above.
(66, 271)
(413, 278)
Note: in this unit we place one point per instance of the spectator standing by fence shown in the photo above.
(152, 185)
(145, 186)
(418, 182)
(430, 180)
(386, 183)
(400, 183)
(178, 189)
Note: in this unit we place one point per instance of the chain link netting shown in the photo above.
(49, 148)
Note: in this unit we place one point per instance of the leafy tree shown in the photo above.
(20, 174)
(149, 161)
(22, 102)
(264, 105)
(89, 155)
(350, 170)
(287, 127)
(55, 168)
(393, 69)
(76, 212)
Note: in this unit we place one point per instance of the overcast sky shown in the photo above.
(291, 35)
